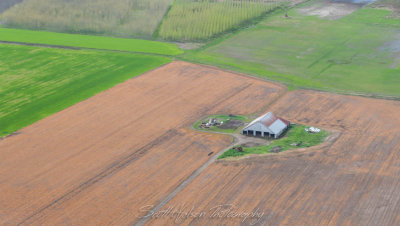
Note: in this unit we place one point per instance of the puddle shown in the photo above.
(363, 2)
(392, 46)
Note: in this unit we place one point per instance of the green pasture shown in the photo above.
(359, 53)
(295, 135)
(88, 41)
(37, 82)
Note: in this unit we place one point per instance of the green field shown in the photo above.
(122, 18)
(358, 53)
(295, 135)
(88, 41)
(194, 20)
(37, 82)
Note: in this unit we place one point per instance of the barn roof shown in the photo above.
(277, 126)
(272, 122)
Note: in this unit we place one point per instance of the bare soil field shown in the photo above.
(353, 181)
(99, 161)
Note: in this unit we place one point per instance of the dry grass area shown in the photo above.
(99, 161)
(353, 181)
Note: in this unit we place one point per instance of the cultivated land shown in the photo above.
(37, 82)
(193, 20)
(88, 41)
(101, 160)
(123, 18)
(358, 53)
(351, 180)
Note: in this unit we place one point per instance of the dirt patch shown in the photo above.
(250, 144)
(254, 144)
(249, 141)
(332, 9)
(231, 124)
(189, 45)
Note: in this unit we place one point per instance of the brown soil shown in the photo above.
(355, 180)
(231, 124)
(99, 161)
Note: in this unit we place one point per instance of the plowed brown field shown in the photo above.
(354, 181)
(101, 160)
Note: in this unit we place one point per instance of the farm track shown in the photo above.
(101, 160)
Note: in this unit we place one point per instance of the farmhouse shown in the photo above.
(267, 125)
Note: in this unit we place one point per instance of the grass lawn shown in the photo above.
(37, 82)
(221, 118)
(88, 41)
(357, 53)
(296, 134)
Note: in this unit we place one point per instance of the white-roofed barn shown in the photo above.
(267, 125)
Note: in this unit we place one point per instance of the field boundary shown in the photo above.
(157, 30)
(81, 48)
(242, 74)
(284, 91)
(285, 84)
(130, 75)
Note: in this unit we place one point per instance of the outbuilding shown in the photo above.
(267, 125)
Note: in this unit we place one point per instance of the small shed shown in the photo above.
(267, 125)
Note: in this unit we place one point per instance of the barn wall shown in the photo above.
(259, 127)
